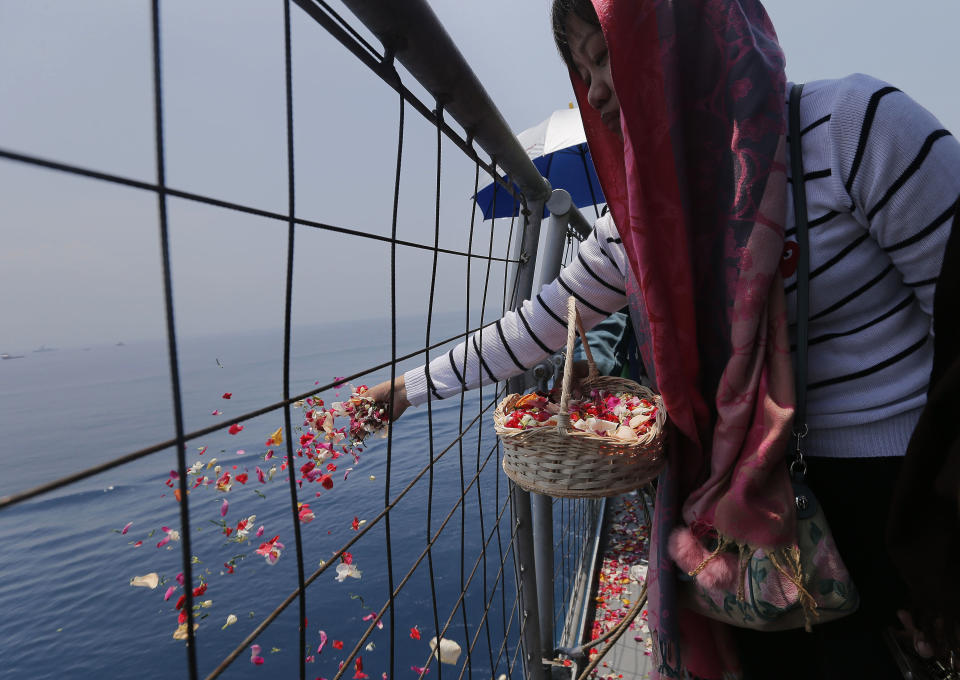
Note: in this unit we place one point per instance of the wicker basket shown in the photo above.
(566, 462)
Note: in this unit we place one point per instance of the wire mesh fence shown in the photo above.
(267, 551)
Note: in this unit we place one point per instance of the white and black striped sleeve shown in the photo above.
(521, 339)
(902, 179)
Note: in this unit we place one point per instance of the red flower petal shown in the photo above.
(227, 395)
(236, 427)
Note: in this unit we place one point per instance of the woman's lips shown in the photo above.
(611, 119)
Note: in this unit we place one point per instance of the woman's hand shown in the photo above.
(381, 394)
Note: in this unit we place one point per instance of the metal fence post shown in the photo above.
(524, 550)
(560, 206)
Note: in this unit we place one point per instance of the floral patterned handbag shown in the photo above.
(806, 583)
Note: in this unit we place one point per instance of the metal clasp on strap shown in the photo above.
(798, 466)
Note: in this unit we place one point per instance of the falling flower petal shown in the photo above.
(323, 641)
(224, 507)
(271, 550)
(147, 581)
(126, 527)
(227, 395)
(231, 619)
(181, 632)
(170, 591)
(338, 644)
(276, 439)
(236, 427)
(449, 650)
(345, 570)
(216, 412)
(306, 515)
(419, 670)
(415, 633)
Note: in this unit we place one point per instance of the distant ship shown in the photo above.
(11, 356)
(44, 348)
(119, 344)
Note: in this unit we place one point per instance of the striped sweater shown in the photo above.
(882, 177)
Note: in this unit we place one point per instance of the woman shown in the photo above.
(684, 108)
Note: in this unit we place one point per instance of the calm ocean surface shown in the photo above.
(68, 608)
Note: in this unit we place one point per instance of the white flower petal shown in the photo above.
(449, 650)
(150, 580)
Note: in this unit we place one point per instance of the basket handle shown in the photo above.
(574, 325)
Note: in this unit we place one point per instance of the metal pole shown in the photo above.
(560, 206)
(525, 566)
(525, 559)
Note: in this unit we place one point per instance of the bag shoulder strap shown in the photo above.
(803, 267)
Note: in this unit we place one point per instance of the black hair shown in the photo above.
(562, 9)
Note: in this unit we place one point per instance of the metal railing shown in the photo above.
(514, 621)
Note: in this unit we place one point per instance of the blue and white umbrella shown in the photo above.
(558, 147)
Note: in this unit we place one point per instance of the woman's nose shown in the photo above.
(598, 94)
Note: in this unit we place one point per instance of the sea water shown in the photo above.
(68, 608)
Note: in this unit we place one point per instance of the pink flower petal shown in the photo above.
(224, 507)
(170, 591)
(126, 526)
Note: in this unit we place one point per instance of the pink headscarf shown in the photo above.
(697, 188)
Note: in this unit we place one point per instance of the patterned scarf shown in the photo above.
(697, 187)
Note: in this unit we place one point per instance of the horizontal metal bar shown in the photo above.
(411, 32)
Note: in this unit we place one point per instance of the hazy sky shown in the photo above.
(79, 259)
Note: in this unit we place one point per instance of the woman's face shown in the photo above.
(592, 62)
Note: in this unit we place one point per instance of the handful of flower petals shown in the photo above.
(619, 415)
(365, 417)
